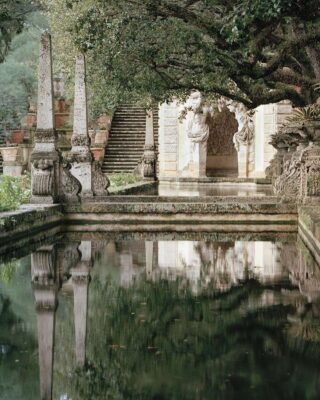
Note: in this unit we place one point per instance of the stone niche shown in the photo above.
(222, 155)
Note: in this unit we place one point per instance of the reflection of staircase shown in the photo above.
(127, 136)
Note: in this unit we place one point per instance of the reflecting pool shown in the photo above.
(182, 189)
(141, 317)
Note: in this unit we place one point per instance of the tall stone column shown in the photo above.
(51, 180)
(80, 282)
(45, 158)
(45, 288)
(147, 165)
(88, 172)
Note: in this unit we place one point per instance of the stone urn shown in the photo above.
(12, 161)
(10, 153)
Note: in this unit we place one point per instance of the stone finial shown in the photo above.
(45, 115)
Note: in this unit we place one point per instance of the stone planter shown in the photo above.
(17, 136)
(12, 161)
(10, 153)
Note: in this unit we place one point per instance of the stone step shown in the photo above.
(127, 138)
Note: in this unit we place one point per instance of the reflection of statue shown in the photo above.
(197, 127)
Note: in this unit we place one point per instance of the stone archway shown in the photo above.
(222, 158)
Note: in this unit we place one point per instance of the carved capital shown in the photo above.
(43, 177)
(45, 136)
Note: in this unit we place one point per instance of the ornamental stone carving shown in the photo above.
(310, 185)
(69, 186)
(197, 127)
(288, 184)
(245, 133)
(42, 177)
(297, 142)
(100, 182)
(45, 136)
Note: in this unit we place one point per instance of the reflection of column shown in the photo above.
(149, 259)
(80, 281)
(45, 291)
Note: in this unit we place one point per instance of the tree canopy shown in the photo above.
(252, 51)
(13, 15)
(18, 74)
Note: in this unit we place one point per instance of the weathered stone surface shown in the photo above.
(45, 158)
(147, 166)
(100, 182)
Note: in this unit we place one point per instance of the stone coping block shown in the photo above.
(131, 188)
(189, 199)
(26, 222)
(260, 181)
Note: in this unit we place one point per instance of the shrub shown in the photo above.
(13, 192)
(123, 179)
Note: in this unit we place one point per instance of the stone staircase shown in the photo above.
(127, 137)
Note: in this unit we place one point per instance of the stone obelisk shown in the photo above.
(80, 155)
(45, 157)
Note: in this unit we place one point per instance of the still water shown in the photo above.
(182, 189)
(162, 318)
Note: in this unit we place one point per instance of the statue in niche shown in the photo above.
(197, 127)
(245, 134)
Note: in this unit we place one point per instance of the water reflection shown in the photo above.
(162, 319)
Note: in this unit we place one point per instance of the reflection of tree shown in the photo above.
(159, 341)
(18, 362)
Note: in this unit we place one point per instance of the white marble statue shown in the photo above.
(197, 127)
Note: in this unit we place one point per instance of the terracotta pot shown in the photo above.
(17, 136)
(97, 153)
(9, 154)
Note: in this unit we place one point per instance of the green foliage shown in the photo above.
(122, 179)
(253, 51)
(18, 75)
(14, 192)
(307, 114)
(7, 271)
(13, 16)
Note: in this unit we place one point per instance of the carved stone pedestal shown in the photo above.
(310, 175)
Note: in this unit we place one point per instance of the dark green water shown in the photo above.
(162, 319)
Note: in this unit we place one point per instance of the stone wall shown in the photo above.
(169, 132)
(174, 146)
(268, 119)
